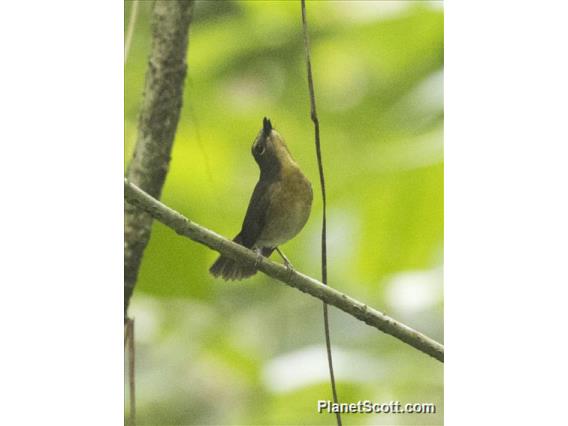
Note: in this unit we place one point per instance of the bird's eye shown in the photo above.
(260, 148)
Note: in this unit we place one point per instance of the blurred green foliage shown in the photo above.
(210, 352)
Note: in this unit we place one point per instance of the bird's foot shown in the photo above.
(289, 267)
(287, 263)
(258, 260)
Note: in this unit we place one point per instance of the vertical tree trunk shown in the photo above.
(159, 115)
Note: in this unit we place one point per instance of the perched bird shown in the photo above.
(278, 209)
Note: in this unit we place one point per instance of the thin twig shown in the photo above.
(130, 30)
(131, 370)
(293, 278)
(195, 121)
(314, 116)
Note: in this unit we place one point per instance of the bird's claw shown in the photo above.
(258, 260)
(289, 268)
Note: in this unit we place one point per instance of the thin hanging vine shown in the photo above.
(314, 117)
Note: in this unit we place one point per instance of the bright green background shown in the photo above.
(210, 352)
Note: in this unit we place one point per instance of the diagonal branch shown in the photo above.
(304, 283)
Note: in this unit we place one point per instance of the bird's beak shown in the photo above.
(266, 127)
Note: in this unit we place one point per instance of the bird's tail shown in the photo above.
(229, 269)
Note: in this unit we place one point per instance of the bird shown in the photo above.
(278, 209)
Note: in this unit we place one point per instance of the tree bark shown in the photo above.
(159, 116)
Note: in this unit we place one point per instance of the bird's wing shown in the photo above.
(255, 218)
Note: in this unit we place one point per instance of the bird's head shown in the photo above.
(269, 149)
